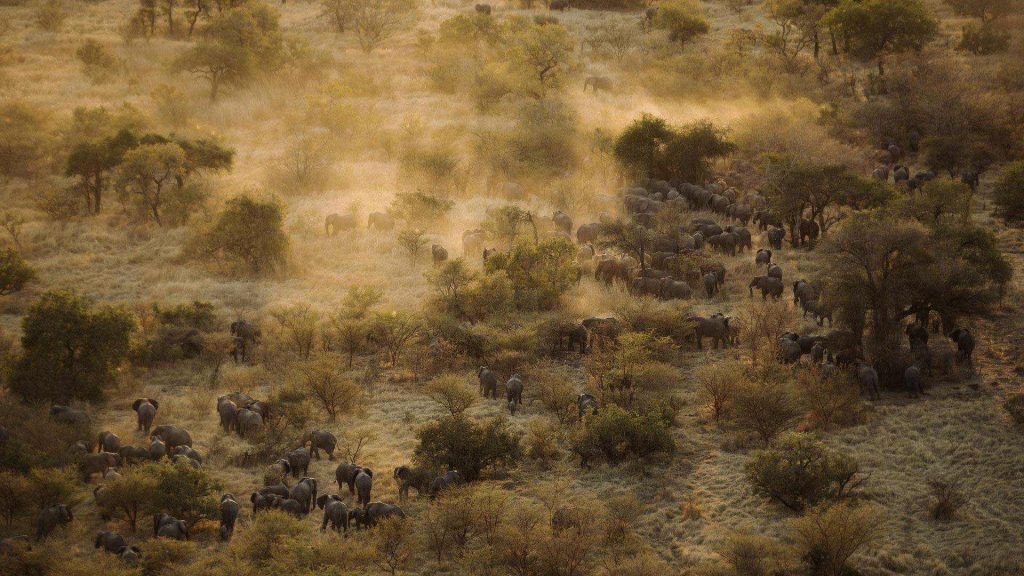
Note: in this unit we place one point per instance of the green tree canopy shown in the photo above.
(874, 29)
(248, 231)
(650, 147)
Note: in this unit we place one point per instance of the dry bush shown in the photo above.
(550, 383)
(826, 537)
(394, 544)
(832, 400)
(306, 165)
(452, 393)
(644, 564)
(800, 471)
(620, 521)
(299, 325)
(542, 442)
(50, 16)
(14, 496)
(718, 385)
(328, 386)
(747, 554)
(946, 499)
(761, 326)
(1014, 406)
(98, 63)
(765, 407)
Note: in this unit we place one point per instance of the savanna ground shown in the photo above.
(387, 104)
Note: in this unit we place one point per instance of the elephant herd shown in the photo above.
(242, 414)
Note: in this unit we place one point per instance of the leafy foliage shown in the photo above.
(247, 231)
(650, 147)
(540, 273)
(799, 471)
(15, 273)
(458, 443)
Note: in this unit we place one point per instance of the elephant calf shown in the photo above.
(167, 526)
(373, 513)
(488, 382)
(445, 481)
(110, 542)
(320, 440)
(514, 393)
(364, 485)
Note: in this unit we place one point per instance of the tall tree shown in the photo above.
(874, 29)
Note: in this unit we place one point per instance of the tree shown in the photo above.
(649, 147)
(392, 331)
(540, 273)
(93, 162)
(299, 322)
(765, 406)
(1008, 192)
(220, 64)
(152, 172)
(628, 237)
(451, 281)
(374, 21)
(800, 471)
(338, 12)
(131, 495)
(419, 208)
(684, 20)
(506, 224)
(71, 350)
(412, 241)
(249, 231)
(25, 141)
(451, 393)
(328, 386)
(543, 53)
(394, 544)
(874, 29)
(987, 10)
(15, 273)
(458, 443)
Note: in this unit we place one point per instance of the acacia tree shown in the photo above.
(543, 53)
(874, 29)
(684, 20)
(249, 231)
(628, 237)
(650, 147)
(150, 172)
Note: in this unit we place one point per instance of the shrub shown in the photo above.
(762, 324)
(50, 16)
(832, 400)
(25, 141)
(718, 385)
(1008, 192)
(452, 393)
(765, 407)
(542, 441)
(249, 232)
(98, 63)
(393, 331)
(826, 537)
(268, 536)
(14, 496)
(306, 165)
(71, 350)
(946, 499)
(35, 438)
(49, 486)
(983, 39)
(750, 555)
(540, 273)
(15, 273)
(327, 385)
(394, 544)
(419, 208)
(616, 434)
(458, 443)
(551, 384)
(1014, 406)
(650, 147)
(298, 323)
(800, 471)
(684, 20)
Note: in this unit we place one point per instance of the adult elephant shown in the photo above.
(715, 327)
(964, 341)
(742, 213)
(719, 203)
(588, 233)
(763, 257)
(775, 237)
(562, 221)
(108, 442)
(488, 382)
(373, 513)
(768, 285)
(245, 336)
(775, 271)
(473, 241)
(145, 413)
(69, 415)
(380, 221)
(603, 329)
(320, 440)
(229, 509)
(803, 291)
(335, 512)
(675, 289)
(97, 463)
(304, 492)
(228, 412)
(172, 436)
(809, 231)
(766, 218)
(110, 542)
(743, 238)
(438, 254)
(514, 393)
(646, 286)
(724, 243)
(789, 350)
(364, 486)
(249, 422)
(711, 285)
(818, 311)
(410, 477)
(578, 339)
(50, 518)
(345, 474)
(133, 454)
(868, 378)
(595, 83)
(262, 502)
(298, 461)
(335, 223)
(912, 381)
(445, 481)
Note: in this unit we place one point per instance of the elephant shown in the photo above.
(108, 442)
(563, 221)
(145, 411)
(768, 285)
(304, 492)
(880, 173)
(380, 221)
(514, 393)
(775, 237)
(789, 350)
(698, 240)
(346, 473)
(249, 422)
(912, 380)
(335, 223)
(110, 542)
(917, 333)
(675, 289)
(596, 83)
(111, 474)
(188, 452)
(438, 254)
(320, 440)
(602, 329)
(900, 174)
(803, 292)
(868, 378)
(410, 477)
(775, 271)
(70, 416)
(157, 449)
(711, 285)
(715, 327)
(335, 512)
(97, 463)
(167, 526)
(578, 339)
(263, 502)
(972, 179)
(964, 346)
(588, 233)
(172, 436)
(766, 218)
(488, 382)
(807, 343)
(373, 513)
(763, 257)
(229, 509)
(228, 412)
(245, 336)
(818, 352)
(743, 238)
(560, 5)
(586, 403)
(809, 231)
(130, 555)
(724, 243)
(445, 481)
(483, 9)
(719, 203)
(646, 286)
(364, 486)
(818, 312)
(52, 517)
(298, 461)
(742, 213)
(133, 454)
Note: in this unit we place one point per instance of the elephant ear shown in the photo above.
(368, 472)
(254, 497)
(321, 501)
(137, 403)
(154, 403)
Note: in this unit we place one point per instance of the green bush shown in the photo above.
(458, 443)
(683, 19)
(800, 471)
(616, 434)
(71, 350)
(35, 438)
(419, 208)
(249, 232)
(15, 273)
(1008, 193)
(540, 273)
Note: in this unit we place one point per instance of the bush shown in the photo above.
(1008, 192)
(684, 20)
(718, 385)
(452, 393)
(832, 400)
(35, 438)
(249, 232)
(539, 273)
(800, 471)
(751, 555)
(419, 208)
(326, 384)
(14, 496)
(616, 434)
(947, 499)
(152, 487)
(70, 349)
(15, 273)
(98, 63)
(25, 141)
(826, 537)
(1014, 406)
(983, 39)
(542, 441)
(650, 147)
(765, 407)
(458, 443)
(51, 15)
